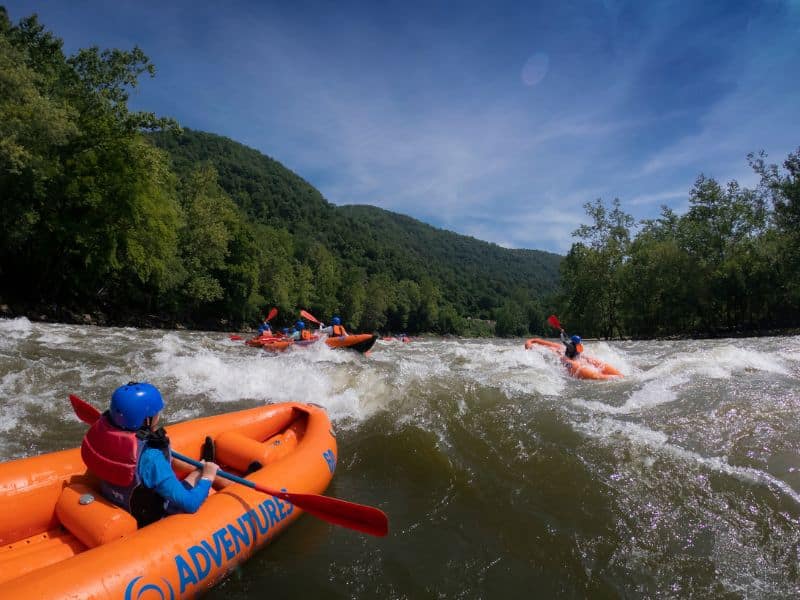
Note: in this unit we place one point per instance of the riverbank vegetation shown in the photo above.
(123, 217)
(116, 216)
(729, 265)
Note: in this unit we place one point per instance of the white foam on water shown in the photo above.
(717, 362)
(14, 330)
(413, 370)
(609, 431)
(513, 369)
(334, 379)
(13, 411)
(654, 393)
(20, 325)
(53, 338)
(612, 355)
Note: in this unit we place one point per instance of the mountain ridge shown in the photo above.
(368, 237)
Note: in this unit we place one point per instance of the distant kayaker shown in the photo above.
(301, 333)
(574, 347)
(264, 328)
(132, 458)
(335, 329)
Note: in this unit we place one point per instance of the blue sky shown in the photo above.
(493, 119)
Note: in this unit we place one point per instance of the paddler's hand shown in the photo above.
(209, 470)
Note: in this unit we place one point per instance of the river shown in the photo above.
(502, 476)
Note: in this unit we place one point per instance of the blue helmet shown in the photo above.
(300, 325)
(576, 339)
(285, 330)
(134, 402)
(336, 321)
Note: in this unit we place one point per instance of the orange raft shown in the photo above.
(279, 344)
(585, 367)
(360, 342)
(55, 545)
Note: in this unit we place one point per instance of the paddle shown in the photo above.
(553, 320)
(271, 315)
(309, 316)
(339, 512)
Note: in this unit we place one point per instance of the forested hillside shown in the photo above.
(475, 276)
(101, 217)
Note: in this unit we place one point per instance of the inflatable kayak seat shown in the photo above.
(239, 451)
(90, 517)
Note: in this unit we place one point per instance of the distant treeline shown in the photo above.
(730, 265)
(110, 211)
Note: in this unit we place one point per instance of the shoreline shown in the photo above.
(64, 316)
(99, 318)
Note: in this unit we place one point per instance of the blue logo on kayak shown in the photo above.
(330, 458)
(228, 542)
(135, 592)
(221, 548)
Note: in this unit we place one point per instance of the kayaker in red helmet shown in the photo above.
(574, 347)
(132, 458)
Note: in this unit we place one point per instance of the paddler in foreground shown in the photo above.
(132, 458)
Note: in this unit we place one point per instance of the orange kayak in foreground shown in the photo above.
(585, 367)
(56, 543)
(360, 342)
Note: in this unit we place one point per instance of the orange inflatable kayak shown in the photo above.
(265, 339)
(360, 342)
(279, 344)
(585, 367)
(59, 538)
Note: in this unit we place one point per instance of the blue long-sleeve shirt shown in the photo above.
(157, 474)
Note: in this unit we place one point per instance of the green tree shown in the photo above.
(591, 271)
(354, 296)
(782, 189)
(660, 282)
(326, 270)
(376, 304)
(205, 236)
(276, 266)
(303, 291)
(92, 208)
(512, 320)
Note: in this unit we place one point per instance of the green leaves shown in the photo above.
(91, 203)
(375, 268)
(729, 264)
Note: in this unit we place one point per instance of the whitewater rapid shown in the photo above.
(682, 478)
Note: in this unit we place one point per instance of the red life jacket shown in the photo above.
(338, 330)
(306, 335)
(111, 453)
